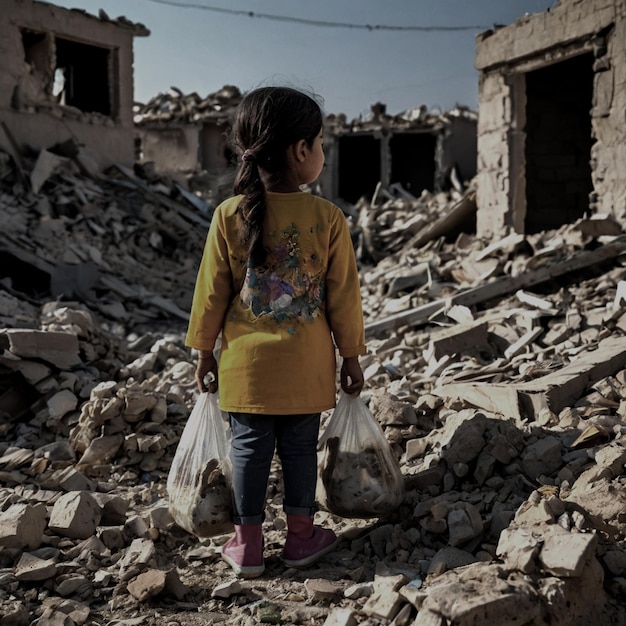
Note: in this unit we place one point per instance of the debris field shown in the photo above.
(497, 370)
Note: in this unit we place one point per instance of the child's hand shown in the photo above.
(207, 365)
(351, 376)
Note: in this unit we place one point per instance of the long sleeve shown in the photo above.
(343, 296)
(213, 290)
(282, 322)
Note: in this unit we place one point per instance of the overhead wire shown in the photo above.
(314, 22)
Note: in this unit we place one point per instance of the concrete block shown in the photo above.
(565, 554)
(385, 601)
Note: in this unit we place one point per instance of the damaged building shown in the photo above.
(416, 149)
(66, 75)
(186, 136)
(551, 142)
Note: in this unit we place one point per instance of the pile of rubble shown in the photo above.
(497, 370)
(188, 108)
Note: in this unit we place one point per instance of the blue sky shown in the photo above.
(350, 68)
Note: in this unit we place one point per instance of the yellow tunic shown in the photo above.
(280, 322)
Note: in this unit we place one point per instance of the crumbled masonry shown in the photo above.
(512, 459)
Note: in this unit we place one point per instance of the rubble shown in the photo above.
(496, 370)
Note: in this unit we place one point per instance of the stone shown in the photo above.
(76, 515)
(518, 547)
(385, 601)
(226, 590)
(464, 524)
(542, 457)
(70, 479)
(477, 595)
(321, 590)
(426, 617)
(112, 537)
(449, 558)
(531, 513)
(57, 348)
(173, 584)
(33, 569)
(139, 553)
(615, 561)
(341, 617)
(147, 585)
(114, 508)
(564, 553)
(14, 614)
(72, 584)
(62, 403)
(100, 451)
(22, 526)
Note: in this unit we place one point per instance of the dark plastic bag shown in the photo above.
(199, 484)
(359, 474)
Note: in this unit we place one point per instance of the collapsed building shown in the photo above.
(187, 136)
(66, 75)
(505, 407)
(551, 125)
(416, 149)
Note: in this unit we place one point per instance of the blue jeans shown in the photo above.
(254, 439)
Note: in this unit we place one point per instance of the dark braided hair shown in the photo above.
(268, 121)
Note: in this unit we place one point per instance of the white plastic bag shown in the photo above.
(199, 484)
(359, 475)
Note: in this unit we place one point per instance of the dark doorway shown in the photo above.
(359, 166)
(558, 143)
(413, 161)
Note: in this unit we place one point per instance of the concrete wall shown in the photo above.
(503, 58)
(172, 148)
(27, 106)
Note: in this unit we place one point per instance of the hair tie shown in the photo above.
(247, 156)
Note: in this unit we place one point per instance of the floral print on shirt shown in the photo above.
(290, 285)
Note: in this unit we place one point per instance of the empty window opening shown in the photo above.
(558, 143)
(359, 166)
(413, 161)
(81, 77)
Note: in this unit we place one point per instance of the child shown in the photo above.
(279, 280)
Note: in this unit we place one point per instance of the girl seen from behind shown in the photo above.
(278, 279)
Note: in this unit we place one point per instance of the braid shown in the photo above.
(251, 210)
(268, 121)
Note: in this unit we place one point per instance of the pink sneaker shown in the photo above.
(244, 551)
(302, 550)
